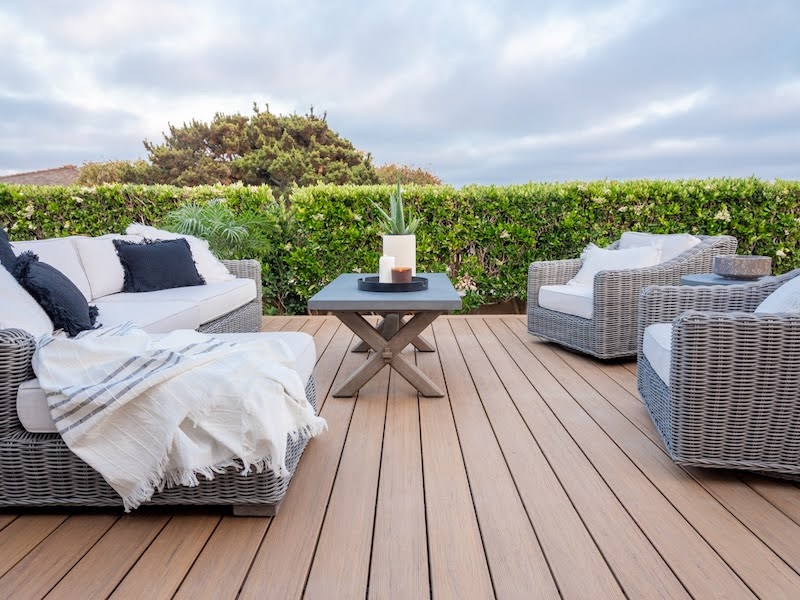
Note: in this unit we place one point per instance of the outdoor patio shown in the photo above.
(539, 474)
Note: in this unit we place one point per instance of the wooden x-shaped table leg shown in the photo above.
(388, 344)
(388, 326)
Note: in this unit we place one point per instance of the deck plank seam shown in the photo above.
(639, 468)
(554, 471)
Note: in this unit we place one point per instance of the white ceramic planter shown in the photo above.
(404, 250)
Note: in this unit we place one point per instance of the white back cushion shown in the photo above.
(599, 259)
(101, 263)
(62, 254)
(208, 265)
(786, 299)
(18, 309)
(672, 244)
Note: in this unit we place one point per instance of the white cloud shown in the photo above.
(565, 37)
(649, 113)
(474, 91)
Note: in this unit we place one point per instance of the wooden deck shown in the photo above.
(538, 475)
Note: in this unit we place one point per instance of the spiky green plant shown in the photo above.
(229, 235)
(394, 222)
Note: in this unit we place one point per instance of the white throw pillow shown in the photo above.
(786, 299)
(19, 310)
(671, 244)
(62, 254)
(597, 259)
(101, 263)
(208, 265)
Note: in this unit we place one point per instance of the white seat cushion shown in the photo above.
(61, 253)
(18, 309)
(657, 348)
(153, 317)
(571, 299)
(101, 263)
(597, 259)
(786, 299)
(213, 300)
(34, 413)
(671, 244)
(208, 265)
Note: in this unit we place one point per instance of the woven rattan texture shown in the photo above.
(16, 351)
(734, 395)
(246, 318)
(39, 470)
(612, 331)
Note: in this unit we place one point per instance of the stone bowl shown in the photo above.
(737, 266)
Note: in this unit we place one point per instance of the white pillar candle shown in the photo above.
(385, 269)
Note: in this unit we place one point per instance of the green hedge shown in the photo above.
(483, 236)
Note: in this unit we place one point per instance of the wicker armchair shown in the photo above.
(37, 469)
(733, 399)
(611, 332)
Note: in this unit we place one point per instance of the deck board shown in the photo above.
(766, 574)
(399, 565)
(102, 568)
(538, 474)
(52, 559)
(637, 564)
(515, 558)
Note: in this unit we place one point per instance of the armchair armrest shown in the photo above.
(550, 272)
(16, 352)
(662, 304)
(733, 391)
(246, 268)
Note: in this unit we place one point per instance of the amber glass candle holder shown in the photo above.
(401, 275)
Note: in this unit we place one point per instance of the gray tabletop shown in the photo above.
(713, 279)
(342, 294)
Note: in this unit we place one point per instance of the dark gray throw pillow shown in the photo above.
(56, 294)
(7, 257)
(157, 265)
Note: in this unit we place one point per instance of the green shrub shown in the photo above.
(483, 236)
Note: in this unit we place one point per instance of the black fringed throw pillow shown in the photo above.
(56, 294)
(157, 265)
(7, 257)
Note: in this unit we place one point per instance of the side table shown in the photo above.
(714, 279)
(343, 298)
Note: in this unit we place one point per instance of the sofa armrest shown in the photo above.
(246, 268)
(16, 352)
(549, 272)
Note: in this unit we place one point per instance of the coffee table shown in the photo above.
(388, 339)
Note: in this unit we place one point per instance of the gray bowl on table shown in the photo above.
(737, 266)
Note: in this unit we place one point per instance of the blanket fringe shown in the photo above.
(160, 479)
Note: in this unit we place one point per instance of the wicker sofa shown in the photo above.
(611, 332)
(723, 383)
(37, 469)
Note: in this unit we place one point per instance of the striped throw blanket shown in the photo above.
(148, 412)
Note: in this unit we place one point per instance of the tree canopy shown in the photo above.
(392, 173)
(263, 149)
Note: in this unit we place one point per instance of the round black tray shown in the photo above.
(371, 284)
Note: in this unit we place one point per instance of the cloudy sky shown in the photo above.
(476, 92)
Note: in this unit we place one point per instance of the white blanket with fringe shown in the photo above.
(148, 412)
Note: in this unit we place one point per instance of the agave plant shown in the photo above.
(394, 222)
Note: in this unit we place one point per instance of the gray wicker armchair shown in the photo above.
(611, 332)
(733, 399)
(37, 469)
